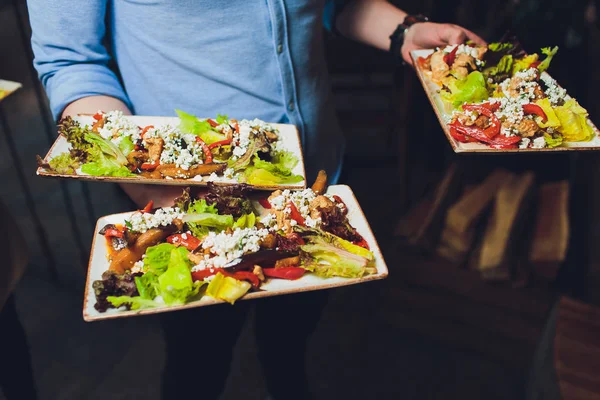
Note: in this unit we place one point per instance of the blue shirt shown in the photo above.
(244, 58)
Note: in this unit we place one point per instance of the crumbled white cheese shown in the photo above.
(312, 223)
(241, 141)
(138, 267)
(511, 109)
(268, 220)
(524, 143)
(142, 221)
(117, 126)
(529, 74)
(180, 149)
(225, 247)
(300, 198)
(539, 142)
(555, 94)
(463, 49)
(256, 123)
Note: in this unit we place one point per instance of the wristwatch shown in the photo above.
(397, 38)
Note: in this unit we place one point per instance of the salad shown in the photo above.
(225, 244)
(221, 149)
(500, 96)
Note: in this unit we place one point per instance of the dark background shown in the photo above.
(426, 332)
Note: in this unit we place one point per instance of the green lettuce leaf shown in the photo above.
(573, 121)
(328, 255)
(175, 284)
(106, 148)
(147, 285)
(261, 176)
(200, 217)
(276, 171)
(498, 47)
(158, 257)
(216, 221)
(553, 140)
(135, 303)
(549, 53)
(105, 167)
(472, 89)
(126, 145)
(104, 158)
(245, 221)
(64, 164)
(221, 119)
(500, 71)
(191, 124)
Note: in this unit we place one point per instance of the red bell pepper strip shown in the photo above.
(204, 273)
(184, 239)
(146, 129)
(495, 123)
(295, 214)
(291, 273)
(219, 143)
(458, 136)
(265, 203)
(150, 166)
(535, 64)
(207, 154)
(212, 123)
(111, 232)
(498, 140)
(236, 127)
(450, 57)
(491, 106)
(98, 116)
(534, 109)
(148, 207)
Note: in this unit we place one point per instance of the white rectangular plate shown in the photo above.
(432, 91)
(289, 134)
(98, 264)
(7, 88)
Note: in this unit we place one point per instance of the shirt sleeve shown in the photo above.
(69, 54)
(333, 8)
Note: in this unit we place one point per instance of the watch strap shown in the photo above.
(397, 37)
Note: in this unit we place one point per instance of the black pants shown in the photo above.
(200, 345)
(16, 374)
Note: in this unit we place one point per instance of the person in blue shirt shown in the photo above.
(244, 58)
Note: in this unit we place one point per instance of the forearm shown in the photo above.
(370, 22)
(91, 105)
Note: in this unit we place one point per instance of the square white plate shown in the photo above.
(289, 134)
(98, 264)
(441, 111)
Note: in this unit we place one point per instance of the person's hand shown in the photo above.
(429, 35)
(161, 195)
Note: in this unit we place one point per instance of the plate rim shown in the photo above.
(250, 296)
(459, 149)
(171, 182)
